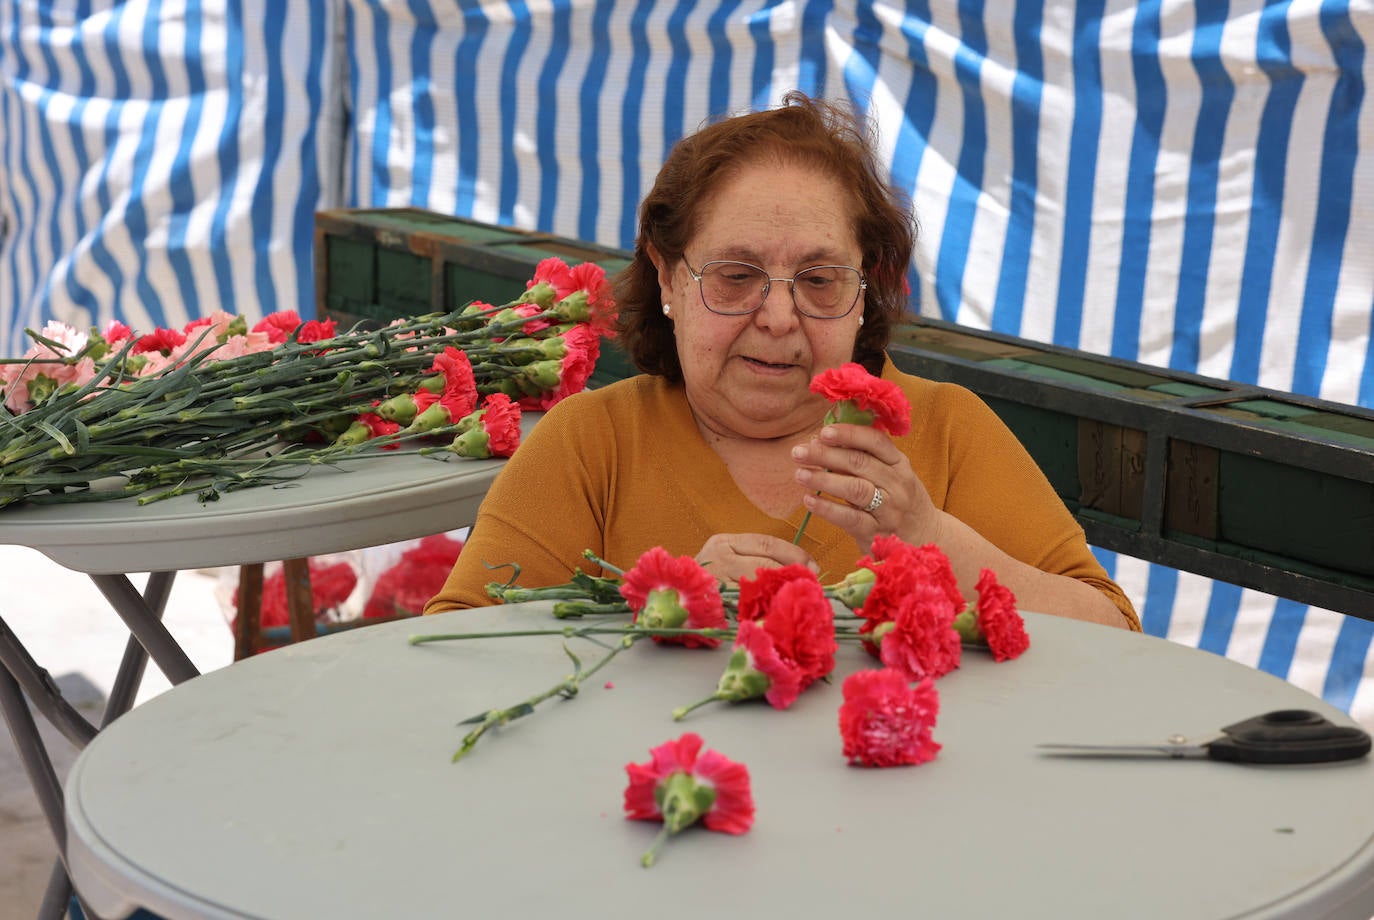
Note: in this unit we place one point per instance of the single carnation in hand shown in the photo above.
(668, 592)
(885, 722)
(862, 399)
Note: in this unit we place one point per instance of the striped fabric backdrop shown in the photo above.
(1166, 181)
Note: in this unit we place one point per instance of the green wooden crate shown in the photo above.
(375, 265)
(1264, 489)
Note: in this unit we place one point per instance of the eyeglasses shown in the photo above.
(737, 288)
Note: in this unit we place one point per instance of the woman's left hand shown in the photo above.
(868, 484)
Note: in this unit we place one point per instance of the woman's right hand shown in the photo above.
(732, 556)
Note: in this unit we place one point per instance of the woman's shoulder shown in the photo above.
(933, 397)
(620, 406)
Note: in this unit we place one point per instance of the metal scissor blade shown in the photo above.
(1176, 750)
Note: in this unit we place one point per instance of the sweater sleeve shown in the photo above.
(556, 469)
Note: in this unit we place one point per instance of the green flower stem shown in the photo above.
(565, 610)
(577, 632)
(681, 712)
(593, 557)
(651, 854)
(205, 412)
(567, 688)
(806, 519)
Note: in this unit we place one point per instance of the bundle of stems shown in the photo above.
(211, 426)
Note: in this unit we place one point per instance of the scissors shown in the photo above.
(1281, 736)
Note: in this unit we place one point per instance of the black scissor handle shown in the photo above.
(1289, 736)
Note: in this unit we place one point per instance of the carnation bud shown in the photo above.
(663, 610)
(740, 680)
(853, 590)
(542, 374)
(966, 625)
(683, 801)
(847, 413)
(574, 308)
(473, 443)
(540, 293)
(399, 409)
(436, 416)
(356, 433)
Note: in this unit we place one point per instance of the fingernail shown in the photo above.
(813, 566)
(803, 476)
(828, 433)
(799, 452)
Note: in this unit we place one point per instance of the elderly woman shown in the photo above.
(770, 249)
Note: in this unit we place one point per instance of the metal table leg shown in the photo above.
(137, 614)
(20, 675)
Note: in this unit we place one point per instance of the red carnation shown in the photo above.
(796, 615)
(862, 399)
(330, 586)
(785, 679)
(756, 594)
(117, 332)
(887, 723)
(898, 567)
(755, 670)
(278, 326)
(162, 341)
(552, 282)
(416, 577)
(315, 331)
(998, 620)
(920, 641)
(667, 592)
(491, 431)
(590, 300)
(365, 427)
(437, 410)
(581, 350)
(682, 784)
(459, 380)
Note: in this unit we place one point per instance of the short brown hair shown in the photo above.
(802, 130)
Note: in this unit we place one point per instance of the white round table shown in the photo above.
(315, 781)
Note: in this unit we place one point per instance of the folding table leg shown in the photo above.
(20, 674)
(170, 658)
(34, 756)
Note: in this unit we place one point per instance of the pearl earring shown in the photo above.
(861, 319)
(667, 308)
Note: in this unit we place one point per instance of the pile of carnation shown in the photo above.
(901, 603)
(217, 405)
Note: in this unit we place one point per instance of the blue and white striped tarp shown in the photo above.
(1183, 184)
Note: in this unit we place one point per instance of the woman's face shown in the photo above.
(749, 376)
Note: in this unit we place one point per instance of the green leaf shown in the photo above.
(83, 436)
(577, 662)
(58, 436)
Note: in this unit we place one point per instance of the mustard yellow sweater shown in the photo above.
(622, 469)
